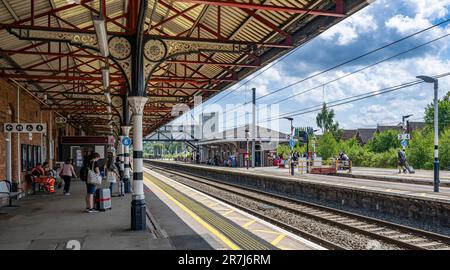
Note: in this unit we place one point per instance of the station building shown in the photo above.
(236, 142)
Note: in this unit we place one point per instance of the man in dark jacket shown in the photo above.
(401, 156)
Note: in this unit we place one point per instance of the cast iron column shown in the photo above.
(138, 208)
(137, 100)
(253, 126)
(126, 161)
(8, 157)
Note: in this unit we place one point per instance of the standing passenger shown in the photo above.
(111, 172)
(90, 188)
(66, 173)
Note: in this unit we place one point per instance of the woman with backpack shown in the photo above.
(91, 165)
(66, 173)
(111, 171)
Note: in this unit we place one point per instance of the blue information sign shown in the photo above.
(126, 141)
(292, 143)
(405, 143)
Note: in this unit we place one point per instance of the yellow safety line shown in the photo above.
(278, 239)
(285, 248)
(264, 231)
(228, 212)
(213, 204)
(240, 218)
(218, 234)
(248, 223)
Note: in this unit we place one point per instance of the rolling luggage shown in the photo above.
(121, 188)
(410, 169)
(102, 199)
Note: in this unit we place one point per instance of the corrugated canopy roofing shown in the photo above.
(70, 77)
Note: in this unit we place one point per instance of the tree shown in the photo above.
(444, 114)
(284, 150)
(384, 141)
(419, 152)
(444, 150)
(336, 131)
(324, 118)
(327, 146)
(325, 121)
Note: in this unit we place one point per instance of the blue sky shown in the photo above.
(384, 21)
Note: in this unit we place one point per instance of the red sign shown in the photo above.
(78, 140)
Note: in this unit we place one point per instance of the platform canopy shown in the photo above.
(68, 78)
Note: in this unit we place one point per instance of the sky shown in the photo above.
(381, 23)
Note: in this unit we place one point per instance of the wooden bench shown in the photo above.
(5, 191)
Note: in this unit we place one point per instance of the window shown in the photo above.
(24, 157)
(31, 155)
(35, 155)
(30, 164)
(39, 154)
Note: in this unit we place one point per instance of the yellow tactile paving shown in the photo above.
(215, 232)
(272, 234)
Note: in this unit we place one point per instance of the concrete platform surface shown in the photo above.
(424, 177)
(51, 221)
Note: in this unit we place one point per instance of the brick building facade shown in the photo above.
(30, 110)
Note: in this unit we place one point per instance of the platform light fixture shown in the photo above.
(105, 77)
(435, 82)
(102, 36)
(108, 96)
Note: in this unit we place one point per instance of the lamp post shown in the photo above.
(404, 117)
(436, 128)
(405, 128)
(290, 138)
(247, 160)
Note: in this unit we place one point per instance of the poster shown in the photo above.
(100, 149)
(79, 158)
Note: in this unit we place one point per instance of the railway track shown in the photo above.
(402, 236)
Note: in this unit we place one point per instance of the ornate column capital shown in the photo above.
(126, 130)
(137, 104)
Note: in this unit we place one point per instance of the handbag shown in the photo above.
(111, 178)
(93, 177)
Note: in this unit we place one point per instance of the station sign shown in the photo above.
(404, 143)
(292, 143)
(404, 136)
(60, 120)
(26, 127)
(126, 141)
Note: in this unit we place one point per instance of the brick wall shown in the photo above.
(29, 112)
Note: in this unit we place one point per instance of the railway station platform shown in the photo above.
(175, 220)
(420, 177)
(55, 222)
(399, 199)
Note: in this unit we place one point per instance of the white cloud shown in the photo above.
(406, 25)
(425, 15)
(348, 31)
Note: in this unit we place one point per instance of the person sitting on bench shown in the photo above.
(38, 171)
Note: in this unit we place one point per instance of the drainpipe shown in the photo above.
(19, 160)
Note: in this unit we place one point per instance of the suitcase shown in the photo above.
(410, 169)
(102, 199)
(121, 188)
